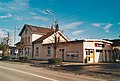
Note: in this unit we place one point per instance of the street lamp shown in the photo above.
(55, 34)
(55, 21)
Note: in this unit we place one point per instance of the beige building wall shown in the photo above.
(26, 41)
(42, 52)
(77, 51)
(73, 48)
(65, 51)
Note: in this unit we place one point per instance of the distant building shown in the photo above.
(116, 49)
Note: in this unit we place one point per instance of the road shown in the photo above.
(12, 71)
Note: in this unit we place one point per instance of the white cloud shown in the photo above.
(77, 32)
(6, 16)
(96, 24)
(19, 18)
(15, 5)
(107, 27)
(33, 13)
(3, 32)
(40, 18)
(73, 25)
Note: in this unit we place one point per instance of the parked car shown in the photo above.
(0, 58)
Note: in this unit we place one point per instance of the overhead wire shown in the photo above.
(88, 10)
(69, 6)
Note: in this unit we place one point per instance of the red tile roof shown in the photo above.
(36, 29)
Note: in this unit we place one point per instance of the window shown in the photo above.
(22, 40)
(25, 39)
(87, 52)
(72, 55)
(25, 51)
(26, 31)
(48, 50)
(37, 51)
(99, 50)
(28, 51)
(28, 40)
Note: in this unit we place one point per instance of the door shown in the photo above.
(62, 54)
(89, 55)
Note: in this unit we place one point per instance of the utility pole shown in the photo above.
(15, 29)
(15, 35)
(56, 28)
(8, 38)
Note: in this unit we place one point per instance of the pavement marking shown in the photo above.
(28, 73)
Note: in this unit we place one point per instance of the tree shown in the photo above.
(4, 46)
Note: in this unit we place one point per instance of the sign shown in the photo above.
(99, 45)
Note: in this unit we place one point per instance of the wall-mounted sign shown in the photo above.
(99, 45)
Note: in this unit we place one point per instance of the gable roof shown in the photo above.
(44, 37)
(35, 29)
(47, 35)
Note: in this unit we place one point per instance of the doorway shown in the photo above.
(89, 55)
(62, 50)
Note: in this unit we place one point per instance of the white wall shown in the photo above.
(51, 39)
(35, 36)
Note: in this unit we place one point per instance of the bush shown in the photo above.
(5, 58)
(23, 59)
(55, 61)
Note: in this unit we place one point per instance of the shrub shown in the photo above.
(5, 58)
(23, 59)
(55, 61)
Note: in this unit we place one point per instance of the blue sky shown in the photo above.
(79, 19)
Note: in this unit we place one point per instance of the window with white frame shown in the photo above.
(37, 51)
(49, 50)
(72, 55)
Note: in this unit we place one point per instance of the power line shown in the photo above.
(69, 6)
(92, 9)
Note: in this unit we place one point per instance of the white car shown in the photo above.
(0, 58)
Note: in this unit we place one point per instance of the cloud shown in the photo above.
(33, 13)
(3, 32)
(119, 23)
(15, 5)
(77, 32)
(96, 24)
(107, 27)
(6, 16)
(40, 18)
(19, 18)
(73, 25)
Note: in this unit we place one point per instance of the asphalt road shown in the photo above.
(11, 71)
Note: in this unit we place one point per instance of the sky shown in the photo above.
(78, 19)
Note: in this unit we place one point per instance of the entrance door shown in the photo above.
(89, 55)
(62, 54)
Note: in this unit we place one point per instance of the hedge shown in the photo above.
(55, 61)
